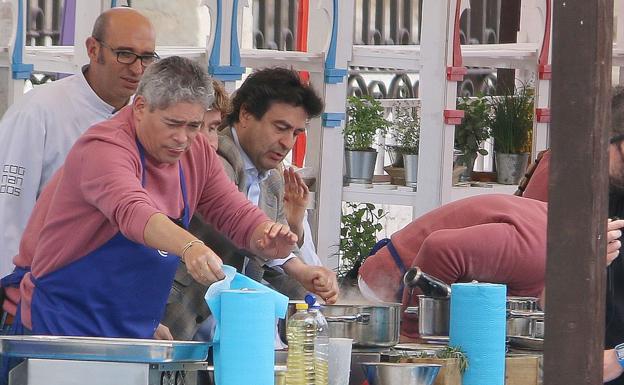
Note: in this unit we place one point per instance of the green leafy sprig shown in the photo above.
(365, 119)
(359, 227)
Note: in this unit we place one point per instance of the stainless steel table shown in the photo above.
(103, 361)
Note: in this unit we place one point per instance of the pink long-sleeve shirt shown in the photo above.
(98, 192)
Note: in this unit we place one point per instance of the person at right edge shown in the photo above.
(537, 188)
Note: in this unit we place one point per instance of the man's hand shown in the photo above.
(162, 333)
(203, 264)
(272, 240)
(611, 367)
(296, 198)
(317, 279)
(614, 232)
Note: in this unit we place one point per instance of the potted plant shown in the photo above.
(405, 129)
(365, 120)
(359, 226)
(511, 125)
(472, 132)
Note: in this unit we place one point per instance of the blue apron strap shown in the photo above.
(378, 246)
(399, 263)
(395, 257)
(186, 217)
(142, 155)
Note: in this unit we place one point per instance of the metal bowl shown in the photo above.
(389, 373)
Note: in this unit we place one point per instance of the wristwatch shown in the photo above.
(619, 354)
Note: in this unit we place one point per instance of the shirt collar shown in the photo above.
(90, 94)
(250, 168)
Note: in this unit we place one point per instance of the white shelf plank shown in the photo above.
(300, 61)
(393, 57)
(379, 196)
(59, 58)
(517, 55)
(407, 57)
(193, 53)
(410, 198)
(51, 59)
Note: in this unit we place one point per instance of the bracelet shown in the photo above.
(188, 246)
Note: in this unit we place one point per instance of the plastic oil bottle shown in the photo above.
(321, 342)
(301, 332)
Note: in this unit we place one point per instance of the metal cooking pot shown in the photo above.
(367, 325)
(525, 323)
(434, 314)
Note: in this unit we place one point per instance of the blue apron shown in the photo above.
(117, 290)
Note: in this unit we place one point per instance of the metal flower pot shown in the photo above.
(510, 168)
(360, 166)
(411, 169)
(367, 325)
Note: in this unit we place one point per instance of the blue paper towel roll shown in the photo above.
(245, 353)
(477, 325)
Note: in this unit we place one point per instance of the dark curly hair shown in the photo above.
(270, 85)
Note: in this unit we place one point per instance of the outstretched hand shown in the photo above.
(296, 198)
(273, 240)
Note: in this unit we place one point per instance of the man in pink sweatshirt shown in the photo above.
(100, 251)
(489, 238)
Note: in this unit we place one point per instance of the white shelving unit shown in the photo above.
(433, 60)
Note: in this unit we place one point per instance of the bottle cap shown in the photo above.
(310, 299)
(301, 306)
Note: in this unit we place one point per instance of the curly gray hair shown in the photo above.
(175, 80)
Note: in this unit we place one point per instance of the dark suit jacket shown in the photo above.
(186, 308)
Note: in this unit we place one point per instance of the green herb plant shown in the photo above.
(474, 129)
(511, 121)
(405, 128)
(445, 353)
(359, 226)
(365, 119)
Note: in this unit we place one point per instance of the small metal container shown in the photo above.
(433, 316)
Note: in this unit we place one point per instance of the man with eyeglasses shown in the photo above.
(38, 130)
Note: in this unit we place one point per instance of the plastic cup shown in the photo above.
(339, 360)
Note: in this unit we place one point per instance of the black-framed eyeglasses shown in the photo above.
(129, 57)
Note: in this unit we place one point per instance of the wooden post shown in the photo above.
(581, 81)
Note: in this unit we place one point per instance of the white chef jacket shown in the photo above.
(36, 133)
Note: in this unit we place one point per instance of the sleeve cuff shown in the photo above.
(279, 262)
